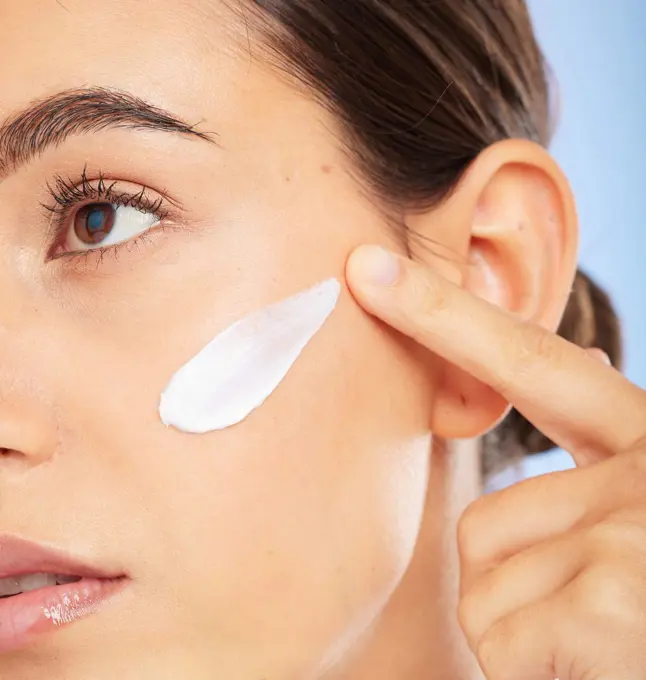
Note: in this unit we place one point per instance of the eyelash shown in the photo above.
(67, 195)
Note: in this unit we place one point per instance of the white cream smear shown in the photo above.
(234, 374)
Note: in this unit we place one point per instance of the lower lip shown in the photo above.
(28, 615)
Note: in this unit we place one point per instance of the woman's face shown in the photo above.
(262, 550)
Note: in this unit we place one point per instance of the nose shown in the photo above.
(28, 423)
(28, 426)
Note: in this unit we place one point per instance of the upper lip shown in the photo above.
(19, 557)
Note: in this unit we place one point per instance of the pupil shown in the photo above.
(94, 222)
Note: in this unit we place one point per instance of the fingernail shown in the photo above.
(377, 266)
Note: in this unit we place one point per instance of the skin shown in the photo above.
(552, 569)
(317, 538)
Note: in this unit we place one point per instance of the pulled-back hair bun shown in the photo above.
(589, 320)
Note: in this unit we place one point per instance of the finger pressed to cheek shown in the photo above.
(372, 266)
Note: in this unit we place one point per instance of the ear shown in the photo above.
(508, 234)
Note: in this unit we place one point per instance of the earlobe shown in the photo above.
(517, 228)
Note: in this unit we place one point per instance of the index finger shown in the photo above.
(556, 385)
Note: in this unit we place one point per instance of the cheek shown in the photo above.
(296, 523)
(329, 440)
(301, 518)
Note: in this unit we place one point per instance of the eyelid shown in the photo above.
(80, 259)
(69, 197)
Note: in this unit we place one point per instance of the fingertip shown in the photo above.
(371, 267)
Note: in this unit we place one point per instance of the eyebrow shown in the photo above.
(49, 122)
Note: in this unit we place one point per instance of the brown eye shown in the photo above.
(94, 222)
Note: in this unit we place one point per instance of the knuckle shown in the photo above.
(639, 445)
(474, 610)
(623, 532)
(535, 349)
(547, 347)
(627, 476)
(529, 351)
(488, 652)
(427, 296)
(471, 547)
(604, 538)
(607, 595)
(634, 470)
(467, 611)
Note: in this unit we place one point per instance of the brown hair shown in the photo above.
(421, 88)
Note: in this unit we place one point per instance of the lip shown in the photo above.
(28, 615)
(19, 557)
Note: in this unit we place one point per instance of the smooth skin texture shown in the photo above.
(317, 539)
(553, 577)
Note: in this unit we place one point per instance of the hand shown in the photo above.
(553, 569)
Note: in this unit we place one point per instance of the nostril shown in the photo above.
(10, 453)
(28, 434)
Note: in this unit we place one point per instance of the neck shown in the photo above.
(417, 636)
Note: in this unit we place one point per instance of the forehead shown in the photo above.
(177, 54)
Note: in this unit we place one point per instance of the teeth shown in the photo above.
(30, 582)
(62, 579)
(24, 584)
(9, 586)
